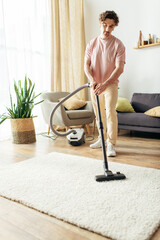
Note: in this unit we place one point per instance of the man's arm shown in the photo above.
(115, 75)
(88, 73)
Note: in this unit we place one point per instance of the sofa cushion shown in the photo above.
(154, 112)
(138, 119)
(123, 105)
(142, 102)
(77, 114)
(73, 103)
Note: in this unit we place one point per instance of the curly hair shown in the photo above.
(110, 15)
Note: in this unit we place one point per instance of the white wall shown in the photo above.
(142, 69)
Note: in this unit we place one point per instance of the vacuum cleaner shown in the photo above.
(77, 137)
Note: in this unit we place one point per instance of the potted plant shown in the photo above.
(20, 113)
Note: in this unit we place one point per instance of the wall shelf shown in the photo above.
(149, 45)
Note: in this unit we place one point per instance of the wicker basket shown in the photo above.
(23, 130)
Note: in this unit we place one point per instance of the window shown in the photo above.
(24, 49)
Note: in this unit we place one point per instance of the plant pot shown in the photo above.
(23, 130)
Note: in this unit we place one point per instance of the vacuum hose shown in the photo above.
(58, 104)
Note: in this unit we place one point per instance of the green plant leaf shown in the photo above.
(11, 101)
(25, 86)
(3, 118)
(31, 92)
(39, 102)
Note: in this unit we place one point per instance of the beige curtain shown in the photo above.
(67, 46)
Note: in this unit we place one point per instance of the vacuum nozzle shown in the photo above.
(108, 176)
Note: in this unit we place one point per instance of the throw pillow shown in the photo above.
(123, 105)
(153, 112)
(73, 103)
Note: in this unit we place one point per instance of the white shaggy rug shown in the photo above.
(63, 186)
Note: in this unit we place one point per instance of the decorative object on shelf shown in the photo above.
(140, 39)
(157, 40)
(145, 42)
(150, 40)
(20, 113)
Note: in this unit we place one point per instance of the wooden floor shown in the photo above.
(18, 222)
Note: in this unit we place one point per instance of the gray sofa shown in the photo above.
(139, 121)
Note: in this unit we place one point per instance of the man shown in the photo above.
(104, 63)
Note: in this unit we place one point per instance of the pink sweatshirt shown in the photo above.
(103, 55)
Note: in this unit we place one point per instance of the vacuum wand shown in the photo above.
(102, 135)
(108, 175)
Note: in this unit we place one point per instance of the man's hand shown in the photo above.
(93, 84)
(100, 88)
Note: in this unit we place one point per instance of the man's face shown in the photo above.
(106, 28)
